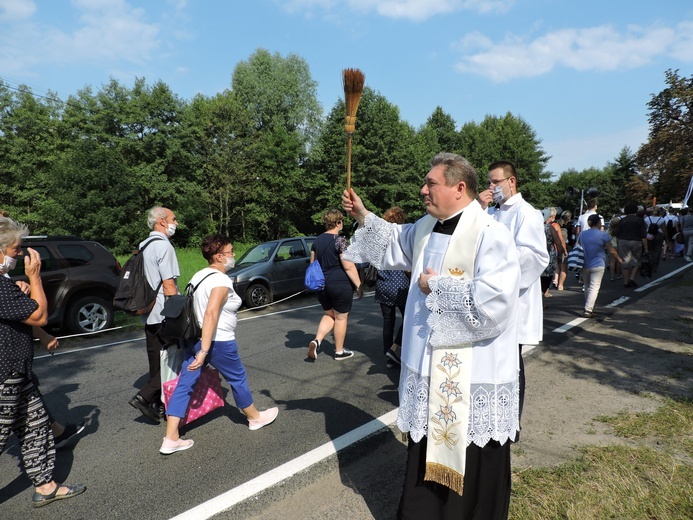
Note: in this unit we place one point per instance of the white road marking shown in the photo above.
(569, 325)
(656, 282)
(258, 484)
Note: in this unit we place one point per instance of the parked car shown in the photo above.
(271, 269)
(79, 277)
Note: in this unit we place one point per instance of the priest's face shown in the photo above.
(442, 201)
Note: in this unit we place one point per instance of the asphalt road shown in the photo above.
(117, 455)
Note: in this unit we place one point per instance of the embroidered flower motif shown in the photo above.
(451, 360)
(450, 388)
(450, 394)
(446, 414)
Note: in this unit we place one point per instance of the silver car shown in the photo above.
(271, 269)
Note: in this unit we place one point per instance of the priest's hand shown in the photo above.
(423, 280)
(353, 205)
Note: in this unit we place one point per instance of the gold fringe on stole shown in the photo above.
(444, 475)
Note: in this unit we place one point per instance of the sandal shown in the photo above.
(39, 500)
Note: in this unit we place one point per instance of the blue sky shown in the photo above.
(579, 72)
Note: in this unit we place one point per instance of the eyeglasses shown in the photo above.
(496, 182)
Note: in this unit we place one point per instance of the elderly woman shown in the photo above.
(216, 307)
(341, 278)
(22, 410)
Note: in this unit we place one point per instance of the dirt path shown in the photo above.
(629, 361)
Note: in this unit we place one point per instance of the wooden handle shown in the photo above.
(348, 163)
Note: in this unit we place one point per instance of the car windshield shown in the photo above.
(258, 254)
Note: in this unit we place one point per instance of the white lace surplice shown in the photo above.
(463, 311)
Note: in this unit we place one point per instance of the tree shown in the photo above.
(665, 159)
(507, 138)
(129, 144)
(447, 139)
(387, 161)
(29, 144)
(624, 174)
(281, 99)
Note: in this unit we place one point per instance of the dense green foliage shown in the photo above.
(259, 161)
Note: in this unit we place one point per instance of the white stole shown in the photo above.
(450, 368)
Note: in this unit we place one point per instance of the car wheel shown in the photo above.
(257, 295)
(89, 314)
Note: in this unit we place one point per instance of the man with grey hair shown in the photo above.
(459, 385)
(161, 269)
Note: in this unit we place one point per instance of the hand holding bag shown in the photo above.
(206, 395)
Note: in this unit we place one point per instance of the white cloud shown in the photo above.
(16, 9)
(417, 10)
(597, 48)
(107, 32)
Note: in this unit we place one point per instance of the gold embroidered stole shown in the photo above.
(450, 370)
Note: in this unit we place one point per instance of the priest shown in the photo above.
(459, 389)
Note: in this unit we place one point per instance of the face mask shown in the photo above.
(171, 230)
(7, 264)
(498, 195)
(230, 263)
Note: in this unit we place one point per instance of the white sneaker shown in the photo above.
(169, 446)
(688, 259)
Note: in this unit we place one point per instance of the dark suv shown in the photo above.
(79, 277)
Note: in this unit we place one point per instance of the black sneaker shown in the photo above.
(393, 356)
(344, 354)
(71, 431)
(145, 408)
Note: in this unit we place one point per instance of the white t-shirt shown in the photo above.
(226, 328)
(582, 221)
(658, 221)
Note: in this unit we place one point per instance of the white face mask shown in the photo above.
(171, 230)
(498, 194)
(229, 263)
(7, 264)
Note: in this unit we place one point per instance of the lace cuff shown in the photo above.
(494, 413)
(455, 317)
(413, 404)
(370, 241)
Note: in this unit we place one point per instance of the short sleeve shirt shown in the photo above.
(160, 263)
(328, 248)
(593, 242)
(228, 318)
(16, 347)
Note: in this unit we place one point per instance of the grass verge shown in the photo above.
(651, 480)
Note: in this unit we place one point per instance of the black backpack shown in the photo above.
(134, 295)
(653, 229)
(671, 228)
(179, 315)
